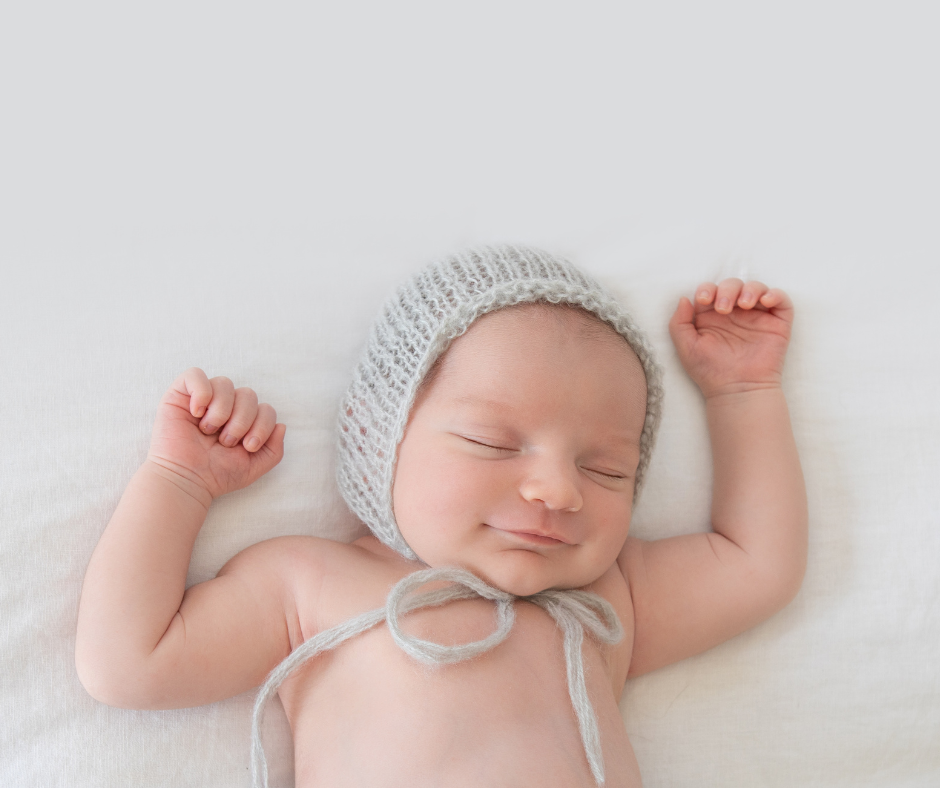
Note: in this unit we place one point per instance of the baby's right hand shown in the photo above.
(214, 435)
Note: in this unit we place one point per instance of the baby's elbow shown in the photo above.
(106, 682)
(783, 583)
(96, 682)
(796, 581)
(797, 571)
(101, 692)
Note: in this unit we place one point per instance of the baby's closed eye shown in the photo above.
(486, 444)
(494, 447)
(608, 474)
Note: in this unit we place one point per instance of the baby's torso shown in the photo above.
(367, 714)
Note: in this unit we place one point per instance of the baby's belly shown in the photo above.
(369, 715)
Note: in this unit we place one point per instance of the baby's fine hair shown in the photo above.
(415, 328)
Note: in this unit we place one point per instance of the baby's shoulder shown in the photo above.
(302, 554)
(330, 581)
(295, 558)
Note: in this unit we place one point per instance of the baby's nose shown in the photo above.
(554, 485)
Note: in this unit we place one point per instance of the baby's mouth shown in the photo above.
(530, 536)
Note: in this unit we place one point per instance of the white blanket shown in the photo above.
(239, 190)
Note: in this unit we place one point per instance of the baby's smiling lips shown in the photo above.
(533, 537)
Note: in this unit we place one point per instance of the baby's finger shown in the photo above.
(751, 294)
(778, 302)
(194, 384)
(261, 430)
(220, 408)
(705, 295)
(728, 292)
(244, 412)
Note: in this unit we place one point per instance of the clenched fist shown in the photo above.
(214, 435)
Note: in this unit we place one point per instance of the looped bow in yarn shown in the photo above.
(465, 586)
(572, 611)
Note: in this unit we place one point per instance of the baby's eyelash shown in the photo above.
(485, 445)
(608, 475)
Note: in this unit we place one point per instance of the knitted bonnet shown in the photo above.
(416, 326)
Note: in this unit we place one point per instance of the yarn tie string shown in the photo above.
(573, 611)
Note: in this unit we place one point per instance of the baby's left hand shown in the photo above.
(735, 336)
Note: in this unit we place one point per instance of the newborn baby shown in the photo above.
(499, 425)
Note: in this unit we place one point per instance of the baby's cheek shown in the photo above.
(442, 489)
(611, 534)
(437, 501)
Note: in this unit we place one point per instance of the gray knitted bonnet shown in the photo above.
(416, 326)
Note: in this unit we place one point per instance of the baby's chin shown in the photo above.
(519, 575)
(519, 586)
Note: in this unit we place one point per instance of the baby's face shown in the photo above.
(519, 458)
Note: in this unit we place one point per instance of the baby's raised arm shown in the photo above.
(143, 641)
(692, 592)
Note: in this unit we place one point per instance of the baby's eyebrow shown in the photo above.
(622, 441)
(483, 402)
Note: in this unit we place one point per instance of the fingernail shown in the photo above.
(209, 428)
(702, 295)
(200, 412)
(252, 444)
(228, 440)
(724, 303)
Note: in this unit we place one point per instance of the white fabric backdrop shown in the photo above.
(239, 187)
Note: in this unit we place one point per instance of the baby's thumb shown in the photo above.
(682, 325)
(271, 453)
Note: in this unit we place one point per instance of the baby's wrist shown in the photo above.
(737, 390)
(180, 478)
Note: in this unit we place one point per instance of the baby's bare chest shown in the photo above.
(369, 714)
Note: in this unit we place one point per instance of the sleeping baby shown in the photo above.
(494, 441)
